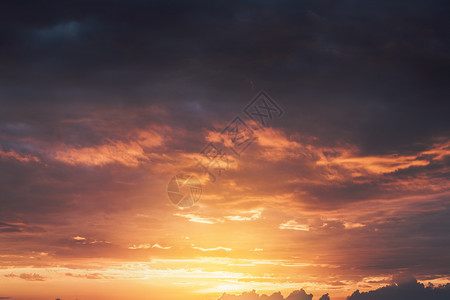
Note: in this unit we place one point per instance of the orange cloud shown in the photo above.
(371, 164)
(27, 276)
(131, 153)
(439, 151)
(347, 158)
(17, 156)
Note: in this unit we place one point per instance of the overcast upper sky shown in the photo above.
(103, 102)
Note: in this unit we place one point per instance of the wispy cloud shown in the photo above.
(211, 249)
(293, 225)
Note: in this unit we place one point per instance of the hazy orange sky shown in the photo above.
(102, 104)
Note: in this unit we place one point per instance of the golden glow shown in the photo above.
(262, 230)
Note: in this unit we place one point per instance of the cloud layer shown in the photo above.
(103, 103)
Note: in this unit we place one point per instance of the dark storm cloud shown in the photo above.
(371, 73)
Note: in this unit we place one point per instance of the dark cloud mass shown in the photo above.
(411, 290)
(373, 73)
(295, 295)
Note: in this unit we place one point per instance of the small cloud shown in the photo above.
(79, 238)
(32, 277)
(148, 246)
(293, 225)
(161, 247)
(254, 216)
(27, 276)
(11, 154)
(197, 219)
(89, 276)
(100, 242)
(142, 246)
(351, 225)
(211, 249)
(257, 249)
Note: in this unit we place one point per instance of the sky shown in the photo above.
(317, 132)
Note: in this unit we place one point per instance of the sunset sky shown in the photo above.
(345, 188)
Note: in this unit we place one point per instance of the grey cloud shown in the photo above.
(371, 74)
(408, 289)
(411, 290)
(295, 295)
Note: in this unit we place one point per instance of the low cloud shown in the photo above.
(27, 276)
(89, 276)
(411, 290)
(407, 290)
(295, 295)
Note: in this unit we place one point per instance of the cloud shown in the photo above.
(324, 297)
(253, 215)
(295, 295)
(142, 246)
(293, 225)
(6, 227)
(89, 138)
(148, 246)
(197, 219)
(411, 290)
(11, 154)
(130, 153)
(211, 249)
(348, 158)
(161, 247)
(27, 276)
(407, 290)
(90, 276)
